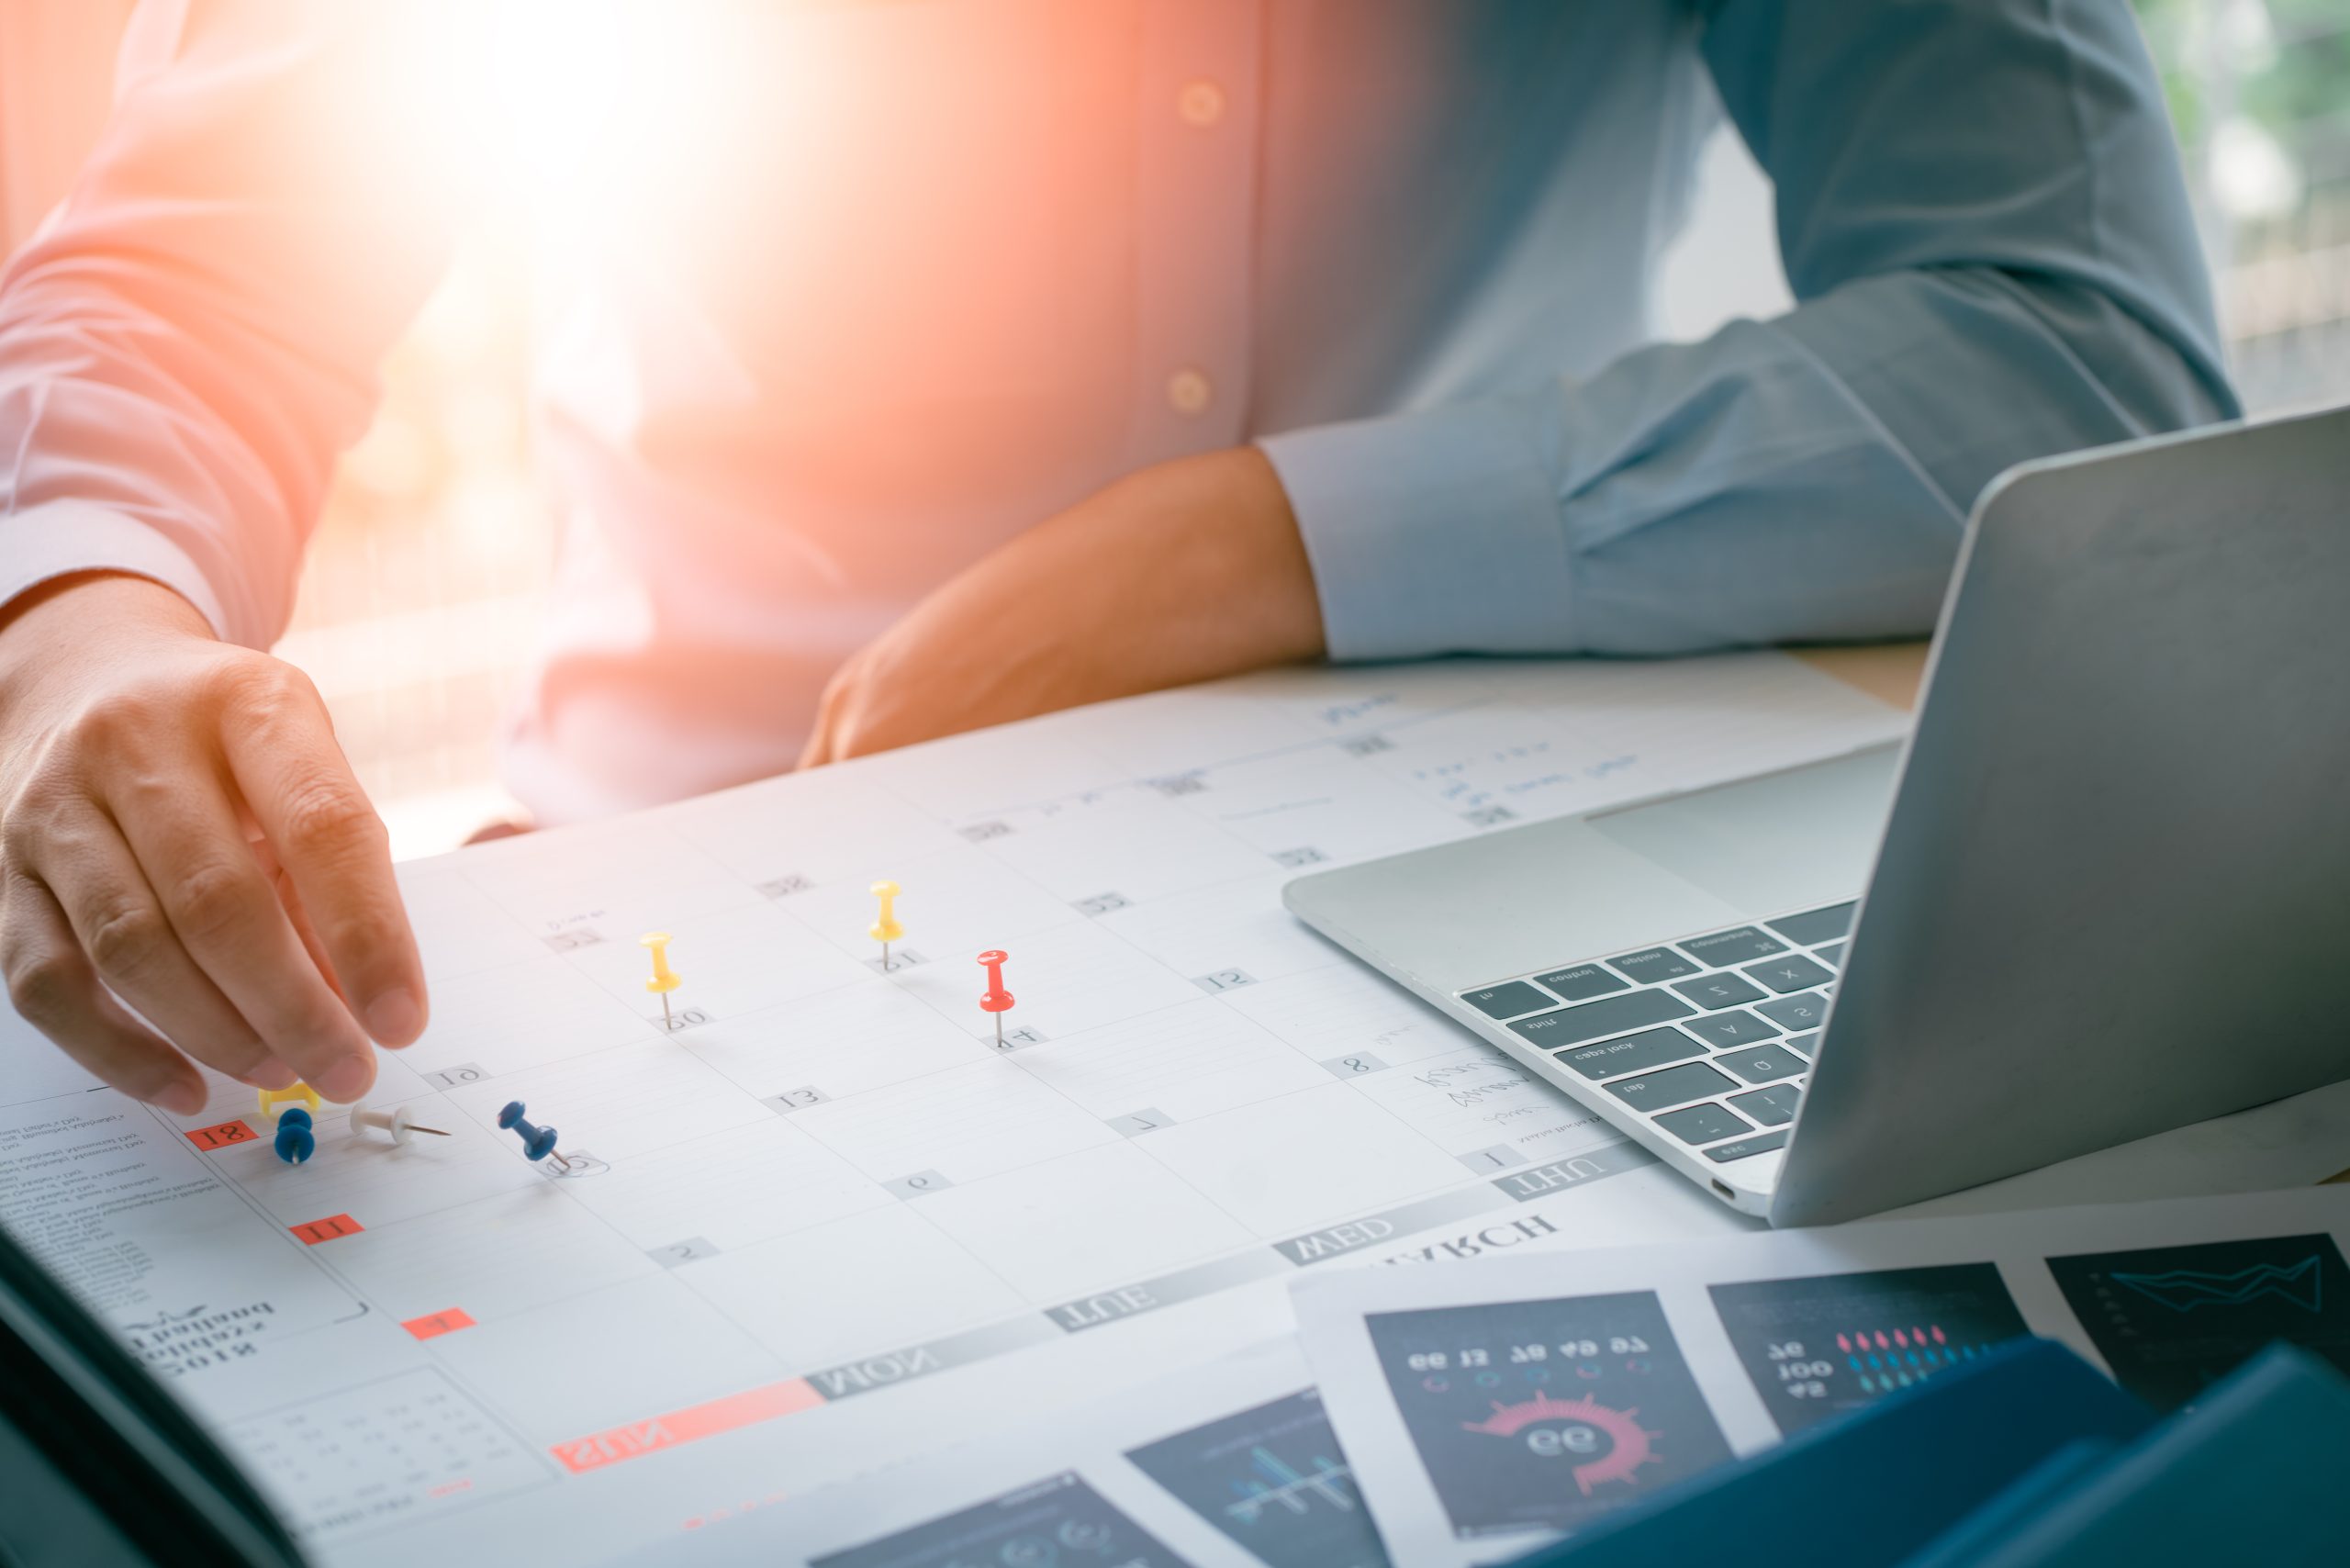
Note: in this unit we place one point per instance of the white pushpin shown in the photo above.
(393, 1124)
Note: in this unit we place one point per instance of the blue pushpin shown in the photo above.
(295, 1140)
(538, 1142)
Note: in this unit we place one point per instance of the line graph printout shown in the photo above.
(2171, 1321)
(1273, 1479)
(1675, 1353)
(810, 1206)
(1231, 1464)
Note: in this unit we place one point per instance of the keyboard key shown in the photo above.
(1761, 1064)
(1763, 1143)
(1716, 990)
(1703, 1124)
(1728, 1028)
(1633, 1053)
(1595, 1020)
(1673, 1086)
(1805, 1012)
(1794, 972)
(1581, 981)
(1833, 955)
(1814, 926)
(1740, 945)
(1506, 1001)
(1773, 1107)
(1802, 1044)
(1652, 964)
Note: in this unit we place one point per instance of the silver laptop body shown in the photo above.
(2107, 879)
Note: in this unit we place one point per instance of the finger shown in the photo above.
(193, 853)
(289, 899)
(56, 990)
(812, 755)
(282, 753)
(131, 946)
(824, 741)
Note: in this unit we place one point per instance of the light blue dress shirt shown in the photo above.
(871, 288)
(1982, 217)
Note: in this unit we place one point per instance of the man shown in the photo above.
(931, 364)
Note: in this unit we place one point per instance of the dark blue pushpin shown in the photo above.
(538, 1142)
(296, 1142)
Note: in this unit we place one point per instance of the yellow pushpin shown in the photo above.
(885, 928)
(301, 1094)
(665, 978)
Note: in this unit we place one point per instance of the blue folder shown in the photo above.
(2256, 1471)
(2025, 1458)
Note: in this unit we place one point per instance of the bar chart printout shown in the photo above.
(1541, 1415)
(2171, 1320)
(1816, 1348)
(1274, 1481)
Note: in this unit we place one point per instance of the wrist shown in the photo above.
(68, 621)
(112, 596)
(1228, 514)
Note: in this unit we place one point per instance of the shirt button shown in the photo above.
(1200, 104)
(1189, 391)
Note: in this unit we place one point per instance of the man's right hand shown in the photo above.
(180, 832)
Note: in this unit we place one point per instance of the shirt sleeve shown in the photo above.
(192, 336)
(1982, 216)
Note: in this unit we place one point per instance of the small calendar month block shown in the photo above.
(312, 1232)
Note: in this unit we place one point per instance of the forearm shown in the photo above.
(191, 340)
(1976, 288)
(1808, 478)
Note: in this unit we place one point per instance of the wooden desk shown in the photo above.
(1886, 671)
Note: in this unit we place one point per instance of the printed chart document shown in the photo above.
(1486, 1410)
(1228, 1465)
(823, 1223)
(1233, 1464)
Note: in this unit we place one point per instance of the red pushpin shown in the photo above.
(995, 999)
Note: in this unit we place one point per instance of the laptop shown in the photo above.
(2102, 890)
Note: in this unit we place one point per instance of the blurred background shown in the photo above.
(420, 598)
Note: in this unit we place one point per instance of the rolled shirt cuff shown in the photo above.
(60, 539)
(1433, 531)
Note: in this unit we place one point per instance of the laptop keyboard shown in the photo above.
(1709, 1037)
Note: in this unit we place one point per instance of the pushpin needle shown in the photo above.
(394, 1122)
(538, 1142)
(995, 999)
(665, 978)
(885, 928)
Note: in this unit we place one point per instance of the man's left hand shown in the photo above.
(1181, 572)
